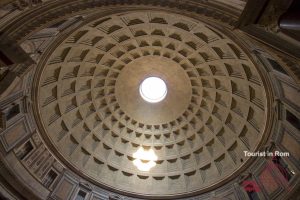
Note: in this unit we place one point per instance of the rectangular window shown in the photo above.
(24, 150)
(276, 66)
(12, 112)
(50, 178)
(80, 195)
(293, 120)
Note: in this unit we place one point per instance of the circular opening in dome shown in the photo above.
(153, 89)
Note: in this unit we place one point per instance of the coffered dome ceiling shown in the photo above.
(91, 110)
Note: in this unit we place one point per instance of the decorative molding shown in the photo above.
(46, 14)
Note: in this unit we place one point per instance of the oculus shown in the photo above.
(153, 90)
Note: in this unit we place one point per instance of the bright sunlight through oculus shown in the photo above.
(153, 89)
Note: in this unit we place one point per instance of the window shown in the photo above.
(24, 150)
(13, 111)
(276, 66)
(80, 195)
(49, 179)
(293, 120)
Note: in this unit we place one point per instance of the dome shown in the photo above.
(91, 109)
(149, 99)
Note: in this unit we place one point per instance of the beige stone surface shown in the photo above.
(176, 101)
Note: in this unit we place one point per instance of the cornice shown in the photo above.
(35, 18)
